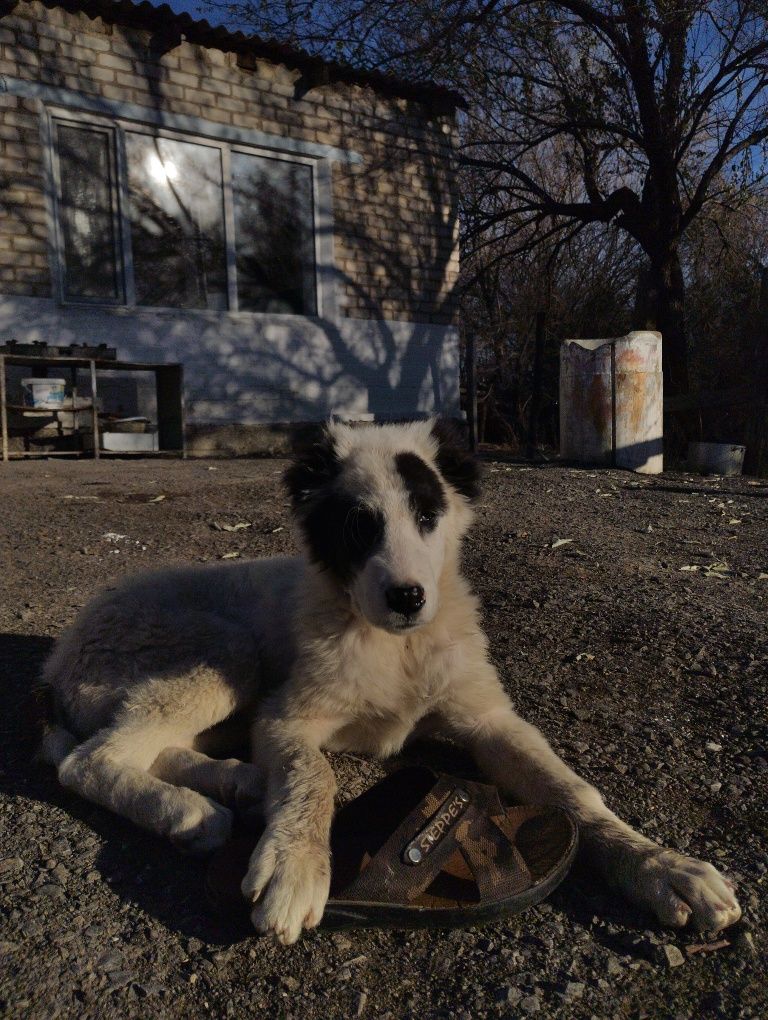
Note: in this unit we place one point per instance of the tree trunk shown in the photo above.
(756, 461)
(661, 305)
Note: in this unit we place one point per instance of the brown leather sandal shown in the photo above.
(419, 850)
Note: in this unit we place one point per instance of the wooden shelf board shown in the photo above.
(26, 409)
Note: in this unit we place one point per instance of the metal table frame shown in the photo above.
(169, 389)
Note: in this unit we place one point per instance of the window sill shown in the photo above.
(210, 314)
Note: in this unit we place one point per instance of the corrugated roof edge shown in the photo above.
(314, 70)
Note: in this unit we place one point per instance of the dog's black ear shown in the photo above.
(457, 465)
(315, 463)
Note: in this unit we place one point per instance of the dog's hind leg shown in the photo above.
(229, 781)
(112, 767)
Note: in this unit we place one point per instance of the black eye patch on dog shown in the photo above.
(425, 492)
(342, 533)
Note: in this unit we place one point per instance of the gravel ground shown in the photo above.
(628, 617)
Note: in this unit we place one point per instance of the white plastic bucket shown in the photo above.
(44, 393)
(716, 458)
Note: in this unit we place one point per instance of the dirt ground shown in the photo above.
(628, 617)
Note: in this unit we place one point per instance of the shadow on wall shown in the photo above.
(261, 368)
(268, 369)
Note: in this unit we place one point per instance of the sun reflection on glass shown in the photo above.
(162, 171)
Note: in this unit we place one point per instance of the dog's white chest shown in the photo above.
(381, 738)
(392, 688)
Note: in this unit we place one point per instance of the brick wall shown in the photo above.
(395, 228)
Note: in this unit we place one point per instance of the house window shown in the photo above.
(86, 219)
(176, 214)
(173, 222)
(274, 237)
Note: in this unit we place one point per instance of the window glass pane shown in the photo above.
(274, 237)
(177, 223)
(86, 213)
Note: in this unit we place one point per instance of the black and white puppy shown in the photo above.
(347, 647)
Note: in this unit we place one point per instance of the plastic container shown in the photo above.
(129, 442)
(612, 402)
(47, 394)
(129, 425)
(716, 458)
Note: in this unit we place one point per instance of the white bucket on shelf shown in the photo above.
(47, 394)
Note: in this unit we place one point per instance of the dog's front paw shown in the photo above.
(288, 886)
(680, 889)
(201, 825)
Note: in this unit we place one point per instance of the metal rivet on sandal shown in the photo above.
(463, 796)
(414, 855)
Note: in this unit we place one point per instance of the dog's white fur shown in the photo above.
(151, 670)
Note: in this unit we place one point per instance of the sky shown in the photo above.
(193, 7)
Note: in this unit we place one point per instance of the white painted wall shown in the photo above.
(256, 369)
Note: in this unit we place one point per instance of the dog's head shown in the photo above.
(382, 508)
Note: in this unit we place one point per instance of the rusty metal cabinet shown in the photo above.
(611, 402)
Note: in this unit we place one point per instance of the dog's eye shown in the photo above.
(427, 520)
(362, 530)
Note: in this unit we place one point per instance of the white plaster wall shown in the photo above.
(257, 369)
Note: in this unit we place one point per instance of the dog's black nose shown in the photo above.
(408, 600)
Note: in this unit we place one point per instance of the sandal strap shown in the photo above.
(455, 814)
(487, 842)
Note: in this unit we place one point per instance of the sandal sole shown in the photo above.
(342, 915)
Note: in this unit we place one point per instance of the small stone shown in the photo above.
(92, 876)
(509, 995)
(614, 967)
(10, 865)
(50, 891)
(109, 961)
(60, 873)
(673, 956)
(713, 747)
(745, 943)
(343, 944)
(194, 945)
(573, 990)
(291, 983)
(530, 1004)
(119, 978)
(362, 1001)
(715, 787)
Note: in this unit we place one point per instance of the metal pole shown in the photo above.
(471, 356)
(538, 370)
(3, 407)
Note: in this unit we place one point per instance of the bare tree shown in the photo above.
(635, 113)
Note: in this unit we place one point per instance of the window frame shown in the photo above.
(114, 185)
(115, 127)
